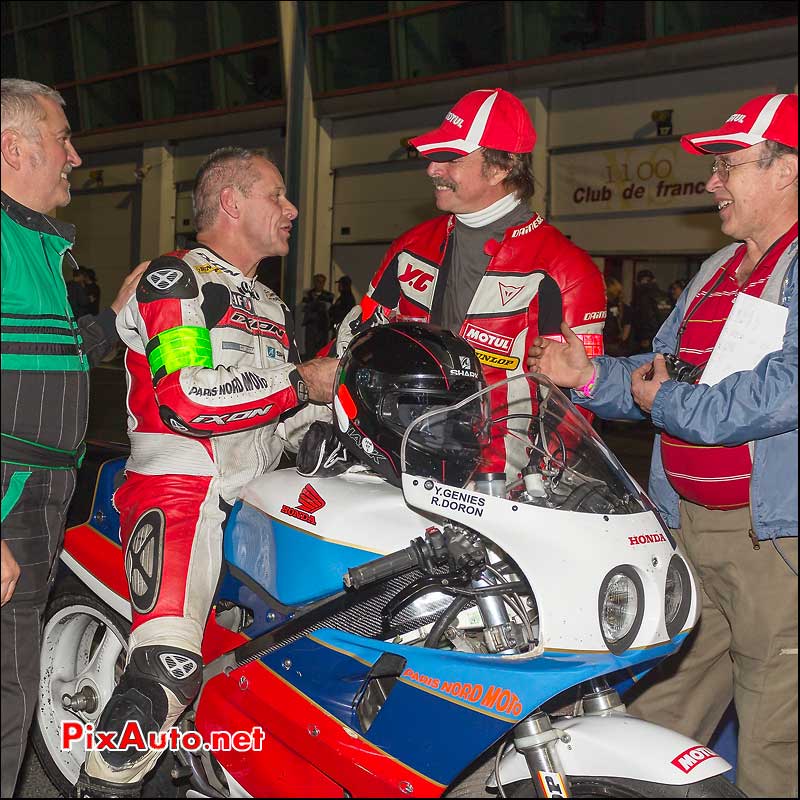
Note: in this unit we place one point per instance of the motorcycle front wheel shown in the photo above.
(84, 648)
(474, 785)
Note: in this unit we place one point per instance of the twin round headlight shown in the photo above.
(621, 603)
(621, 607)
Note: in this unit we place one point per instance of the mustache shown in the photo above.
(443, 183)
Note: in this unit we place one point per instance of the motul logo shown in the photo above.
(594, 315)
(472, 333)
(689, 759)
(736, 118)
(310, 501)
(455, 119)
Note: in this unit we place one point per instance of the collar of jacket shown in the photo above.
(35, 220)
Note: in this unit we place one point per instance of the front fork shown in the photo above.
(535, 738)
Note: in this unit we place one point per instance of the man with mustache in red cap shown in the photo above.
(488, 269)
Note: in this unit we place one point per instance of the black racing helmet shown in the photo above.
(389, 376)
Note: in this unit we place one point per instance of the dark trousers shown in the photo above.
(33, 529)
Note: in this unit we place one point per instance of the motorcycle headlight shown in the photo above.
(620, 607)
(677, 595)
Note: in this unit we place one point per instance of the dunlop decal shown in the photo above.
(497, 360)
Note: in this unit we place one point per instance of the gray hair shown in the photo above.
(20, 109)
(520, 178)
(227, 166)
(774, 151)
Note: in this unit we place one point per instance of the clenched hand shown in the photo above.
(319, 374)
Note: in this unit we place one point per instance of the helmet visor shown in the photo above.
(452, 435)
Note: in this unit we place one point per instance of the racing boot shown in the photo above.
(95, 787)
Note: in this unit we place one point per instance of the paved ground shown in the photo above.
(107, 422)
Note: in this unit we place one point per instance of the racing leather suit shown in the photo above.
(535, 278)
(211, 384)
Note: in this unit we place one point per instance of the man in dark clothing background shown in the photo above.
(343, 303)
(651, 306)
(77, 293)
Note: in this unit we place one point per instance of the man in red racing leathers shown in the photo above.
(211, 352)
(490, 270)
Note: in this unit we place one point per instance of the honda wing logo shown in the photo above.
(508, 293)
(309, 502)
(163, 279)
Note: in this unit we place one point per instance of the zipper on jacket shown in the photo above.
(750, 532)
(73, 328)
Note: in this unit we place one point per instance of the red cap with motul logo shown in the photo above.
(770, 117)
(490, 118)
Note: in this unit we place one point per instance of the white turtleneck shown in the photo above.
(477, 219)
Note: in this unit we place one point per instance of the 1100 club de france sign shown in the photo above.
(642, 178)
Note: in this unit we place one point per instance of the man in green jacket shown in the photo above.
(46, 357)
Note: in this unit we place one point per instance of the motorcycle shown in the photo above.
(462, 636)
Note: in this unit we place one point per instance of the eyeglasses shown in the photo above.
(721, 168)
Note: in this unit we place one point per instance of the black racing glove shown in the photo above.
(321, 454)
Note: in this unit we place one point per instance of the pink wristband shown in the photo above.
(587, 389)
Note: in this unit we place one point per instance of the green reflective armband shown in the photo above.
(176, 348)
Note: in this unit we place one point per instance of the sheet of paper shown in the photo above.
(754, 328)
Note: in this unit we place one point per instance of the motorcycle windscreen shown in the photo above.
(524, 433)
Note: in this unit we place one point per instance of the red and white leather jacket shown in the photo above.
(210, 371)
(535, 278)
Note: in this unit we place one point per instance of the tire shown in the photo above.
(84, 643)
(474, 785)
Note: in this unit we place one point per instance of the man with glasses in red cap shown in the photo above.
(724, 469)
(488, 269)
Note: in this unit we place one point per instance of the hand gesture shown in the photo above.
(565, 363)
(128, 287)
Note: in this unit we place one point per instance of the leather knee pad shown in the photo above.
(140, 695)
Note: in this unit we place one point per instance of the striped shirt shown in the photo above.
(716, 477)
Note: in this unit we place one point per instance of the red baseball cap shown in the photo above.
(770, 116)
(484, 118)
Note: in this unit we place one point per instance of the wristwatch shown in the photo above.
(299, 386)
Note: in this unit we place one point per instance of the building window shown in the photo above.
(552, 28)
(251, 77)
(33, 12)
(47, 52)
(106, 43)
(353, 57)
(334, 13)
(454, 39)
(108, 103)
(184, 89)
(174, 29)
(119, 63)
(245, 21)
(362, 44)
(672, 19)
